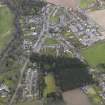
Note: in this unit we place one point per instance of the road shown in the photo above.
(36, 48)
(19, 83)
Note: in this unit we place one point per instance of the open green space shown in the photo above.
(10, 75)
(6, 25)
(54, 19)
(50, 41)
(50, 84)
(68, 34)
(3, 100)
(95, 54)
(86, 3)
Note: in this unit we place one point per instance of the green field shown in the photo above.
(86, 3)
(95, 54)
(67, 34)
(50, 84)
(54, 19)
(6, 25)
(50, 41)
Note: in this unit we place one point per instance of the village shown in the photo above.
(57, 31)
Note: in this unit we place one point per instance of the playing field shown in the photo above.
(95, 54)
(6, 25)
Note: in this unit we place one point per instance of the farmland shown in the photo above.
(95, 54)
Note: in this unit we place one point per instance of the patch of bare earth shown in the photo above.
(98, 16)
(76, 97)
(66, 3)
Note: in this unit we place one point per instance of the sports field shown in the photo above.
(6, 25)
(95, 54)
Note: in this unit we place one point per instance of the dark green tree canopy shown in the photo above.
(70, 73)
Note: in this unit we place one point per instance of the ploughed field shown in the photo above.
(76, 97)
(98, 17)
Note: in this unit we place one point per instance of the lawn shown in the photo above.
(50, 41)
(86, 3)
(95, 54)
(3, 100)
(67, 34)
(6, 25)
(68, 54)
(54, 19)
(50, 84)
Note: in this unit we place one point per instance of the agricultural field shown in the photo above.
(95, 54)
(6, 25)
(97, 17)
(76, 97)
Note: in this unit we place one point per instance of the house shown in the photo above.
(3, 90)
(27, 44)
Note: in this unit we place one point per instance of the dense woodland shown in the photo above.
(70, 73)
